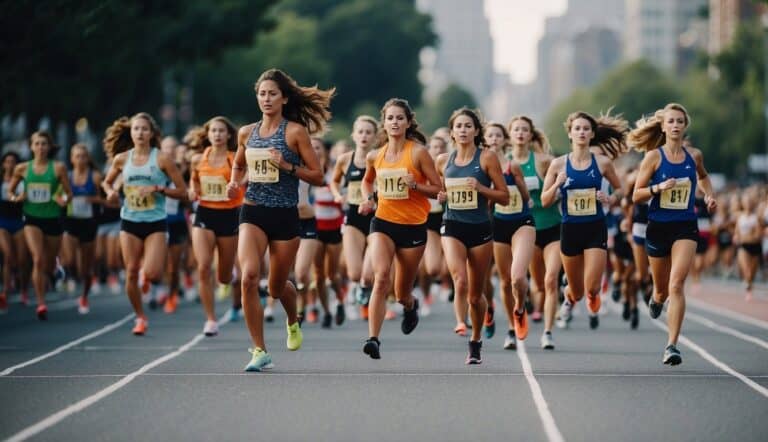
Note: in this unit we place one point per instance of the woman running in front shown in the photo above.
(577, 178)
(668, 176)
(135, 142)
(46, 192)
(748, 235)
(277, 153)
(216, 220)
(472, 178)
(405, 176)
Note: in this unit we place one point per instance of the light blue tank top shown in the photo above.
(146, 209)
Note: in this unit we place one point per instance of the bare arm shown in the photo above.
(18, 174)
(311, 172)
(61, 173)
(168, 166)
(704, 182)
(642, 191)
(338, 172)
(499, 192)
(423, 160)
(552, 181)
(366, 186)
(517, 172)
(194, 177)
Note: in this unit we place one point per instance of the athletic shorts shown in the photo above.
(143, 230)
(84, 229)
(638, 233)
(755, 249)
(434, 221)
(278, 223)
(222, 222)
(622, 248)
(49, 226)
(545, 237)
(110, 229)
(308, 228)
(471, 235)
(329, 236)
(405, 236)
(575, 238)
(702, 243)
(12, 225)
(360, 222)
(178, 233)
(504, 230)
(661, 235)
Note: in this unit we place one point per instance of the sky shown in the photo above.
(516, 26)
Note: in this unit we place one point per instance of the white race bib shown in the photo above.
(515, 202)
(677, 197)
(39, 192)
(532, 183)
(582, 202)
(213, 188)
(461, 196)
(435, 206)
(355, 193)
(171, 206)
(260, 168)
(638, 229)
(81, 207)
(137, 203)
(391, 184)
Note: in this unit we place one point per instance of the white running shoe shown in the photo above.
(547, 341)
(211, 328)
(565, 311)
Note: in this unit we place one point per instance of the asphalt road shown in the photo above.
(87, 378)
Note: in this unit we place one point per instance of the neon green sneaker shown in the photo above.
(295, 337)
(260, 360)
(223, 291)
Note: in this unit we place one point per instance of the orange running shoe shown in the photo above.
(171, 304)
(312, 315)
(461, 329)
(593, 303)
(82, 305)
(42, 312)
(140, 326)
(364, 312)
(521, 324)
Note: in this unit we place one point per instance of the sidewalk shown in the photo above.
(730, 295)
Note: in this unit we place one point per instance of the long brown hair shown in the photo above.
(539, 141)
(473, 114)
(197, 137)
(412, 133)
(117, 138)
(307, 106)
(504, 134)
(648, 135)
(610, 132)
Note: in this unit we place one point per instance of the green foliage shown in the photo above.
(436, 114)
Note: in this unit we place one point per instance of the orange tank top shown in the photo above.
(397, 203)
(213, 183)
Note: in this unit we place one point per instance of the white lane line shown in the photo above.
(342, 374)
(69, 345)
(713, 360)
(550, 428)
(727, 313)
(90, 400)
(725, 329)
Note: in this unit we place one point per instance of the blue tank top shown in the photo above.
(578, 195)
(80, 207)
(517, 208)
(675, 204)
(173, 209)
(464, 204)
(150, 208)
(264, 189)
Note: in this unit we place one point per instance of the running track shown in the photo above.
(88, 378)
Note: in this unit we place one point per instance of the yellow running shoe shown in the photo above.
(295, 337)
(223, 292)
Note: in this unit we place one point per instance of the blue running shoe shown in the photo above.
(260, 360)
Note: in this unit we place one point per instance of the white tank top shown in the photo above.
(746, 223)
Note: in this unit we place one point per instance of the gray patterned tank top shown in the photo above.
(267, 187)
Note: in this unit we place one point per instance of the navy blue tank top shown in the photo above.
(578, 195)
(517, 208)
(465, 205)
(80, 207)
(675, 204)
(267, 184)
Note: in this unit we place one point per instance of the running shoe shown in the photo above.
(327, 320)
(593, 303)
(260, 360)
(189, 283)
(223, 291)
(521, 324)
(634, 318)
(616, 292)
(672, 356)
(536, 316)
(510, 342)
(460, 329)
(410, 318)
(3, 303)
(625, 311)
(24, 300)
(341, 314)
(489, 324)
(473, 358)
(451, 295)
(234, 314)
(655, 308)
(82, 305)
(547, 341)
(363, 295)
(263, 293)
(171, 303)
(211, 328)
(295, 337)
(748, 296)
(140, 326)
(371, 348)
(364, 312)
(565, 311)
(42, 312)
(312, 315)
(269, 314)
(594, 321)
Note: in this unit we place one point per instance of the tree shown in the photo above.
(436, 114)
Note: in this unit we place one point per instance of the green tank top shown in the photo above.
(40, 191)
(544, 217)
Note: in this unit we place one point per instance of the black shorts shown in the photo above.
(661, 235)
(621, 247)
(471, 235)
(49, 226)
(755, 249)
(178, 233)
(360, 222)
(405, 236)
(84, 229)
(545, 237)
(279, 223)
(308, 228)
(223, 222)
(575, 238)
(329, 236)
(434, 221)
(504, 230)
(702, 244)
(143, 230)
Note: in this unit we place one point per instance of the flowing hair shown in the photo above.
(610, 132)
(647, 134)
(412, 133)
(117, 138)
(476, 120)
(539, 141)
(307, 106)
(197, 137)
